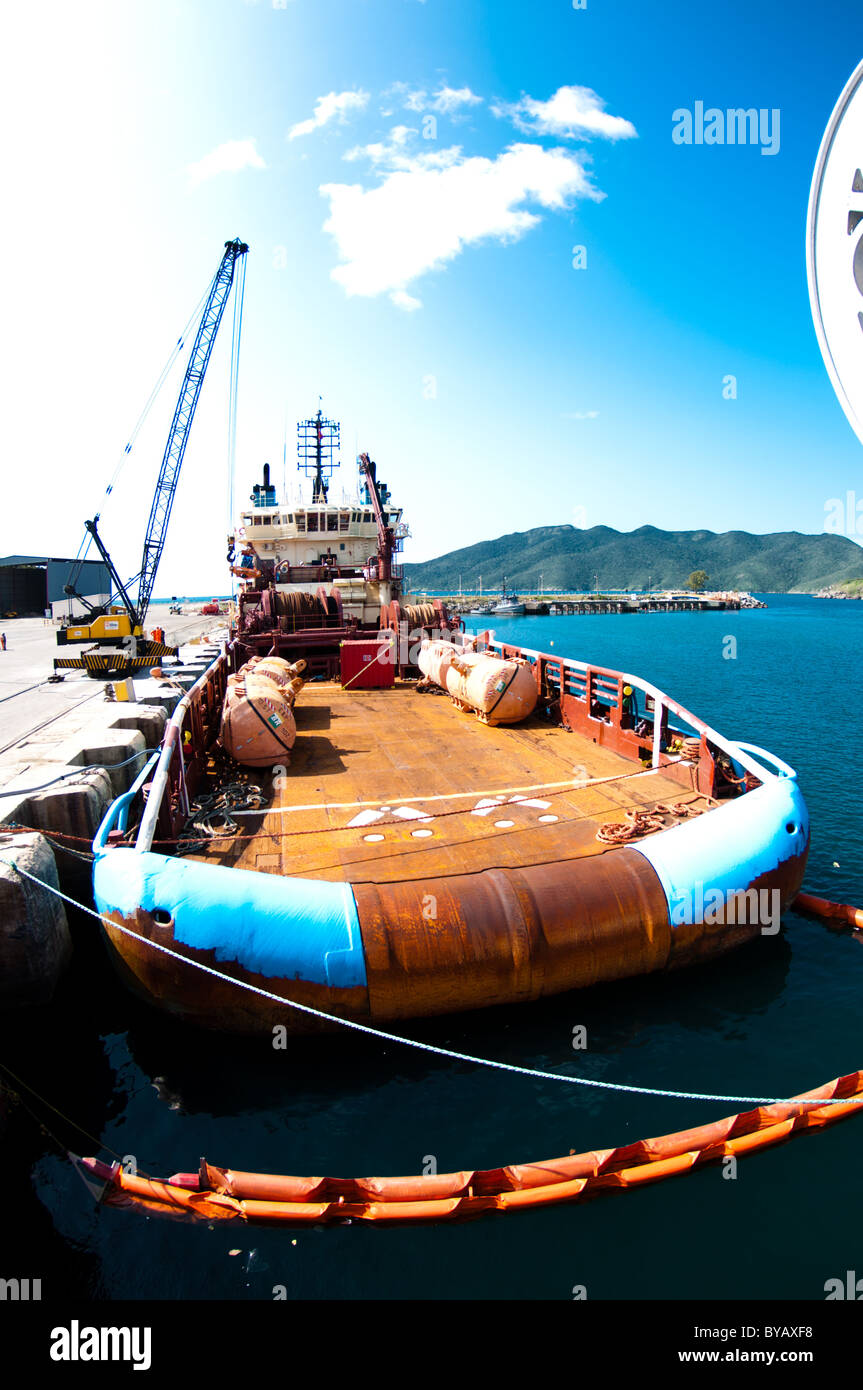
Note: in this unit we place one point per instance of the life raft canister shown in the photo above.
(258, 726)
(498, 691)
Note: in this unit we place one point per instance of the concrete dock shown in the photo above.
(66, 751)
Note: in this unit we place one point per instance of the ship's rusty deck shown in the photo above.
(391, 785)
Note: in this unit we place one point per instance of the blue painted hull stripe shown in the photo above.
(729, 849)
(278, 927)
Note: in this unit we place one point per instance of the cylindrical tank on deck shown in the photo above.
(498, 691)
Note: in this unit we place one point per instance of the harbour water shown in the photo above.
(773, 1019)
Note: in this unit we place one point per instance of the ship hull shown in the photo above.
(306, 953)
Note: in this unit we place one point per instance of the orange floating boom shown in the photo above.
(219, 1194)
(822, 907)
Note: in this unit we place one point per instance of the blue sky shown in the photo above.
(424, 285)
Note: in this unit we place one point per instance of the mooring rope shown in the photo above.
(417, 1043)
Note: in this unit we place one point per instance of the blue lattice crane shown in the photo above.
(122, 619)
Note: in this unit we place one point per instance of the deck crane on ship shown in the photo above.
(117, 628)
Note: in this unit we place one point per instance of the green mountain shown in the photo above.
(575, 560)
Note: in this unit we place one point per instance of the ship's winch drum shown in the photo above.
(420, 615)
(297, 609)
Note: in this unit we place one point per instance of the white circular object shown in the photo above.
(421, 834)
(834, 250)
(504, 824)
(546, 820)
(372, 839)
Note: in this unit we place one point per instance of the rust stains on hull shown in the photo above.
(507, 935)
(198, 997)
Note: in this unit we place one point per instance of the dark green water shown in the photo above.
(778, 1017)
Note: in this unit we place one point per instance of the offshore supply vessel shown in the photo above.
(545, 824)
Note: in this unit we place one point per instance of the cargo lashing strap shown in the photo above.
(502, 693)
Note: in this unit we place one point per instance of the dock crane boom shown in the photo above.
(111, 627)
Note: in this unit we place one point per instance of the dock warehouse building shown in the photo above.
(32, 584)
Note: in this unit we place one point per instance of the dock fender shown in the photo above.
(275, 926)
(758, 840)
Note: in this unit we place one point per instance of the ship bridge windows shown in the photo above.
(332, 521)
(301, 521)
(311, 521)
(344, 520)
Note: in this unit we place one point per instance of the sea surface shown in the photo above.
(775, 1018)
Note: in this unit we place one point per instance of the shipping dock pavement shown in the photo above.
(66, 751)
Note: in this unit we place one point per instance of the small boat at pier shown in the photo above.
(509, 606)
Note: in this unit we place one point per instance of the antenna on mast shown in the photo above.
(318, 442)
(285, 460)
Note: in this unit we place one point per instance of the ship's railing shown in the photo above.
(600, 689)
(194, 725)
(189, 735)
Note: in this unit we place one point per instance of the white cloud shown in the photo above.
(384, 152)
(389, 155)
(403, 300)
(571, 112)
(335, 105)
(444, 101)
(429, 208)
(230, 158)
(451, 98)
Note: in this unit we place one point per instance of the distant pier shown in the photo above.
(578, 603)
